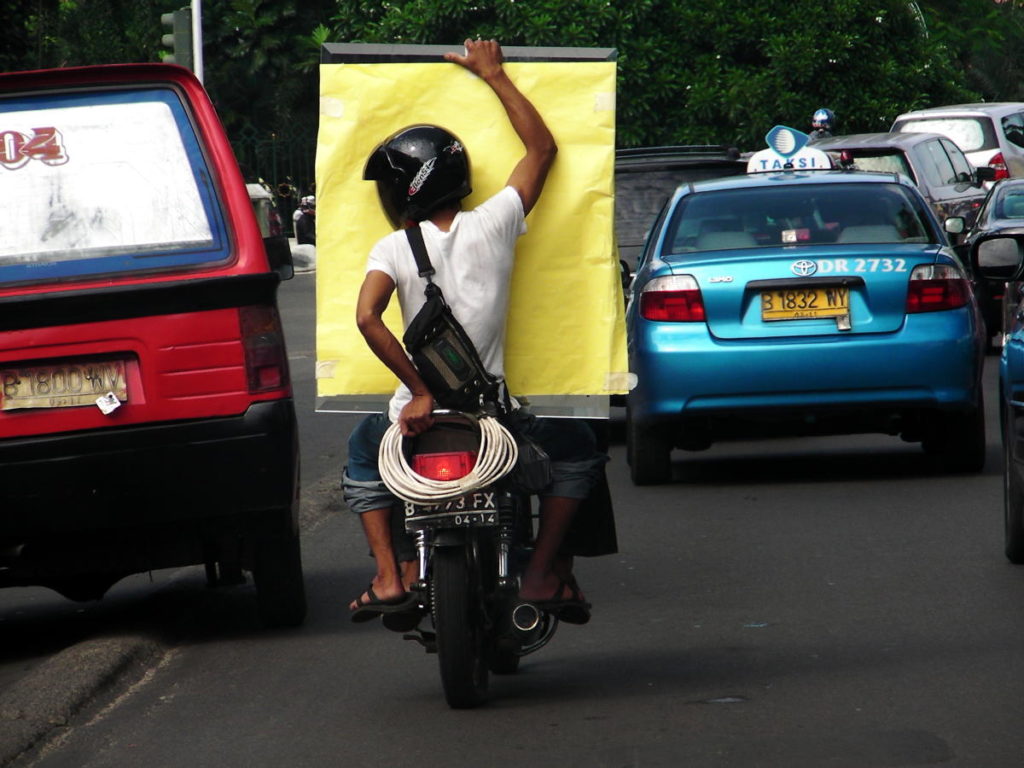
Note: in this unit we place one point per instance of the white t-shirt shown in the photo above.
(472, 266)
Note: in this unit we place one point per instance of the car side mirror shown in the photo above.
(279, 256)
(999, 256)
(954, 225)
(984, 173)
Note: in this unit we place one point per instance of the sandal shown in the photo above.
(572, 610)
(367, 610)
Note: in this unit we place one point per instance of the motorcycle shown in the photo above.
(474, 535)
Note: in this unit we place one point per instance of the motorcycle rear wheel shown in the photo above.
(458, 622)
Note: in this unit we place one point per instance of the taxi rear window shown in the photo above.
(795, 215)
(883, 162)
(104, 182)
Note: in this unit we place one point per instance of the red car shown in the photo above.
(146, 413)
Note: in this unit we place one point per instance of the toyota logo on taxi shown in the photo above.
(804, 268)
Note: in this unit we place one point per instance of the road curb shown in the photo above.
(62, 685)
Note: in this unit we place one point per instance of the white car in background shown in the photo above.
(990, 134)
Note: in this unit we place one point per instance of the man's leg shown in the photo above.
(574, 467)
(387, 582)
(367, 496)
(542, 581)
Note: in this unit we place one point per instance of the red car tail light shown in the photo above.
(936, 287)
(266, 362)
(444, 466)
(998, 163)
(674, 299)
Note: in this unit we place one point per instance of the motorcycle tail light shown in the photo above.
(673, 299)
(998, 163)
(266, 362)
(444, 466)
(936, 287)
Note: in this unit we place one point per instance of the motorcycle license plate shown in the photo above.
(477, 508)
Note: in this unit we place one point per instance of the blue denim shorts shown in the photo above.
(575, 460)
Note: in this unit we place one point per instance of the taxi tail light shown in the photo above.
(674, 299)
(937, 287)
(998, 164)
(266, 362)
(444, 466)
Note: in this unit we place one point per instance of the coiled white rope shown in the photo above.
(496, 457)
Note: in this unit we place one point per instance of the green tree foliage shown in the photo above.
(710, 72)
(62, 33)
(255, 52)
(984, 39)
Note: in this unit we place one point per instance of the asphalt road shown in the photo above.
(821, 602)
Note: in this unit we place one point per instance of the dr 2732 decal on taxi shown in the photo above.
(837, 266)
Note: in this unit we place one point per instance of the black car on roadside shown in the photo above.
(941, 171)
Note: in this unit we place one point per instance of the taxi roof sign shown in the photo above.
(788, 151)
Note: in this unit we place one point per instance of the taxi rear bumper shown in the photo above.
(815, 384)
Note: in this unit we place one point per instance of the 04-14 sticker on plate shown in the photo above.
(63, 385)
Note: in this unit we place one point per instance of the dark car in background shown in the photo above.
(941, 171)
(645, 177)
(1002, 211)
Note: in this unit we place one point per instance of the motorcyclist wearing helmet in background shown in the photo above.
(305, 223)
(422, 173)
(823, 122)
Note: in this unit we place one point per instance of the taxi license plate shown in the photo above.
(477, 508)
(64, 385)
(805, 303)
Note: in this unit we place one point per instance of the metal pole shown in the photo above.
(197, 38)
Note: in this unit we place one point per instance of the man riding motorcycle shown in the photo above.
(422, 173)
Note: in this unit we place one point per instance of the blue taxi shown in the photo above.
(801, 302)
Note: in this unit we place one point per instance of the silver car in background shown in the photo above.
(989, 134)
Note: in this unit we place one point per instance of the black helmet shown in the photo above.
(417, 170)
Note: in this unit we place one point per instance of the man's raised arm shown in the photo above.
(483, 58)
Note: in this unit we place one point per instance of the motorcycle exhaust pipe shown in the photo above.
(525, 617)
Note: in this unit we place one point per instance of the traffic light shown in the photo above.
(179, 41)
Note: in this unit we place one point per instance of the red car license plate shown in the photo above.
(63, 385)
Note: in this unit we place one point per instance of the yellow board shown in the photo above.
(565, 333)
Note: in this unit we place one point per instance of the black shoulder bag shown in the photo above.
(441, 349)
(450, 366)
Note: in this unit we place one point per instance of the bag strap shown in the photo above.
(500, 394)
(419, 251)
